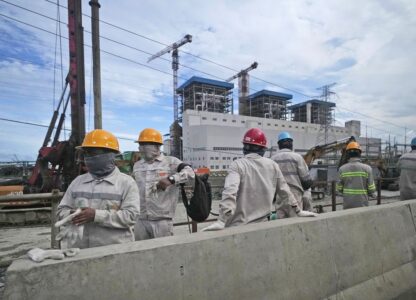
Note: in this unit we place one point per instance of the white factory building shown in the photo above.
(213, 140)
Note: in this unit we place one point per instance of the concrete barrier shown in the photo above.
(364, 253)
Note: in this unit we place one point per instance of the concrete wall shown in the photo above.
(364, 253)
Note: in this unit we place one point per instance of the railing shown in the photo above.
(319, 208)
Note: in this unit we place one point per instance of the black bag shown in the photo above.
(198, 207)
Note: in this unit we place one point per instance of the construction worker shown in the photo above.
(407, 167)
(158, 181)
(251, 185)
(106, 199)
(294, 168)
(356, 181)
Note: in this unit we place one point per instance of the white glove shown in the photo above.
(304, 213)
(218, 225)
(38, 255)
(70, 232)
(68, 218)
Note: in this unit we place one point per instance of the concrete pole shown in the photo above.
(95, 26)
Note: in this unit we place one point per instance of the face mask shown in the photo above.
(100, 165)
(150, 152)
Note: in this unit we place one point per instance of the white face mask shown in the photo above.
(150, 152)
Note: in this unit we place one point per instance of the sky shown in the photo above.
(368, 48)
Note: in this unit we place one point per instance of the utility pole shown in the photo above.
(95, 26)
(243, 87)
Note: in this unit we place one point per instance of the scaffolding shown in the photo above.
(268, 104)
(205, 95)
(313, 111)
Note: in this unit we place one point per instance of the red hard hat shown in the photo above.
(255, 136)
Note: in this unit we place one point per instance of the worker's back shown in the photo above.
(255, 179)
(407, 166)
(356, 183)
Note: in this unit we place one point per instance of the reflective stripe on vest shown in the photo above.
(354, 174)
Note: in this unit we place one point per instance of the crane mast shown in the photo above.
(175, 66)
(243, 87)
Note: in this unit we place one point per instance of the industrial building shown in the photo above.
(313, 111)
(214, 140)
(268, 104)
(205, 94)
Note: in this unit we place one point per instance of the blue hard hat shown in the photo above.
(413, 143)
(284, 136)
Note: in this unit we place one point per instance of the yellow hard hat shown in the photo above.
(150, 135)
(100, 138)
(353, 146)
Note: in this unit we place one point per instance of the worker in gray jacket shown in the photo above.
(293, 167)
(158, 180)
(107, 202)
(407, 167)
(251, 185)
(356, 182)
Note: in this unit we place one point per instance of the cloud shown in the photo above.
(366, 47)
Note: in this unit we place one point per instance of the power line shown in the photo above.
(110, 40)
(155, 69)
(191, 54)
(104, 51)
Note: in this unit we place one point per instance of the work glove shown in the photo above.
(218, 225)
(304, 213)
(70, 232)
(38, 255)
(273, 216)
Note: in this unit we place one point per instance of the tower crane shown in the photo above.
(243, 87)
(175, 65)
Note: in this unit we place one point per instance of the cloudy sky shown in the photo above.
(367, 47)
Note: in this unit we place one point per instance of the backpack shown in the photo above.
(198, 207)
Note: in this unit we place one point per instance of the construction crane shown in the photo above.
(243, 87)
(175, 65)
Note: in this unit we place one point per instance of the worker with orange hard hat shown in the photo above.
(356, 182)
(106, 202)
(158, 180)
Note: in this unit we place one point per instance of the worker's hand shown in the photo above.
(304, 213)
(87, 215)
(218, 225)
(163, 184)
(68, 218)
(273, 216)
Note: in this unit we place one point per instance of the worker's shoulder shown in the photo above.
(172, 159)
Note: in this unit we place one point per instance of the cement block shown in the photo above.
(364, 253)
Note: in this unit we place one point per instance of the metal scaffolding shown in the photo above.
(268, 104)
(207, 95)
(313, 111)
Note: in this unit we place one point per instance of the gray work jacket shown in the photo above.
(407, 167)
(116, 201)
(157, 204)
(249, 190)
(356, 183)
(294, 169)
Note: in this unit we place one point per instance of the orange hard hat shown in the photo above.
(100, 138)
(150, 135)
(353, 146)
